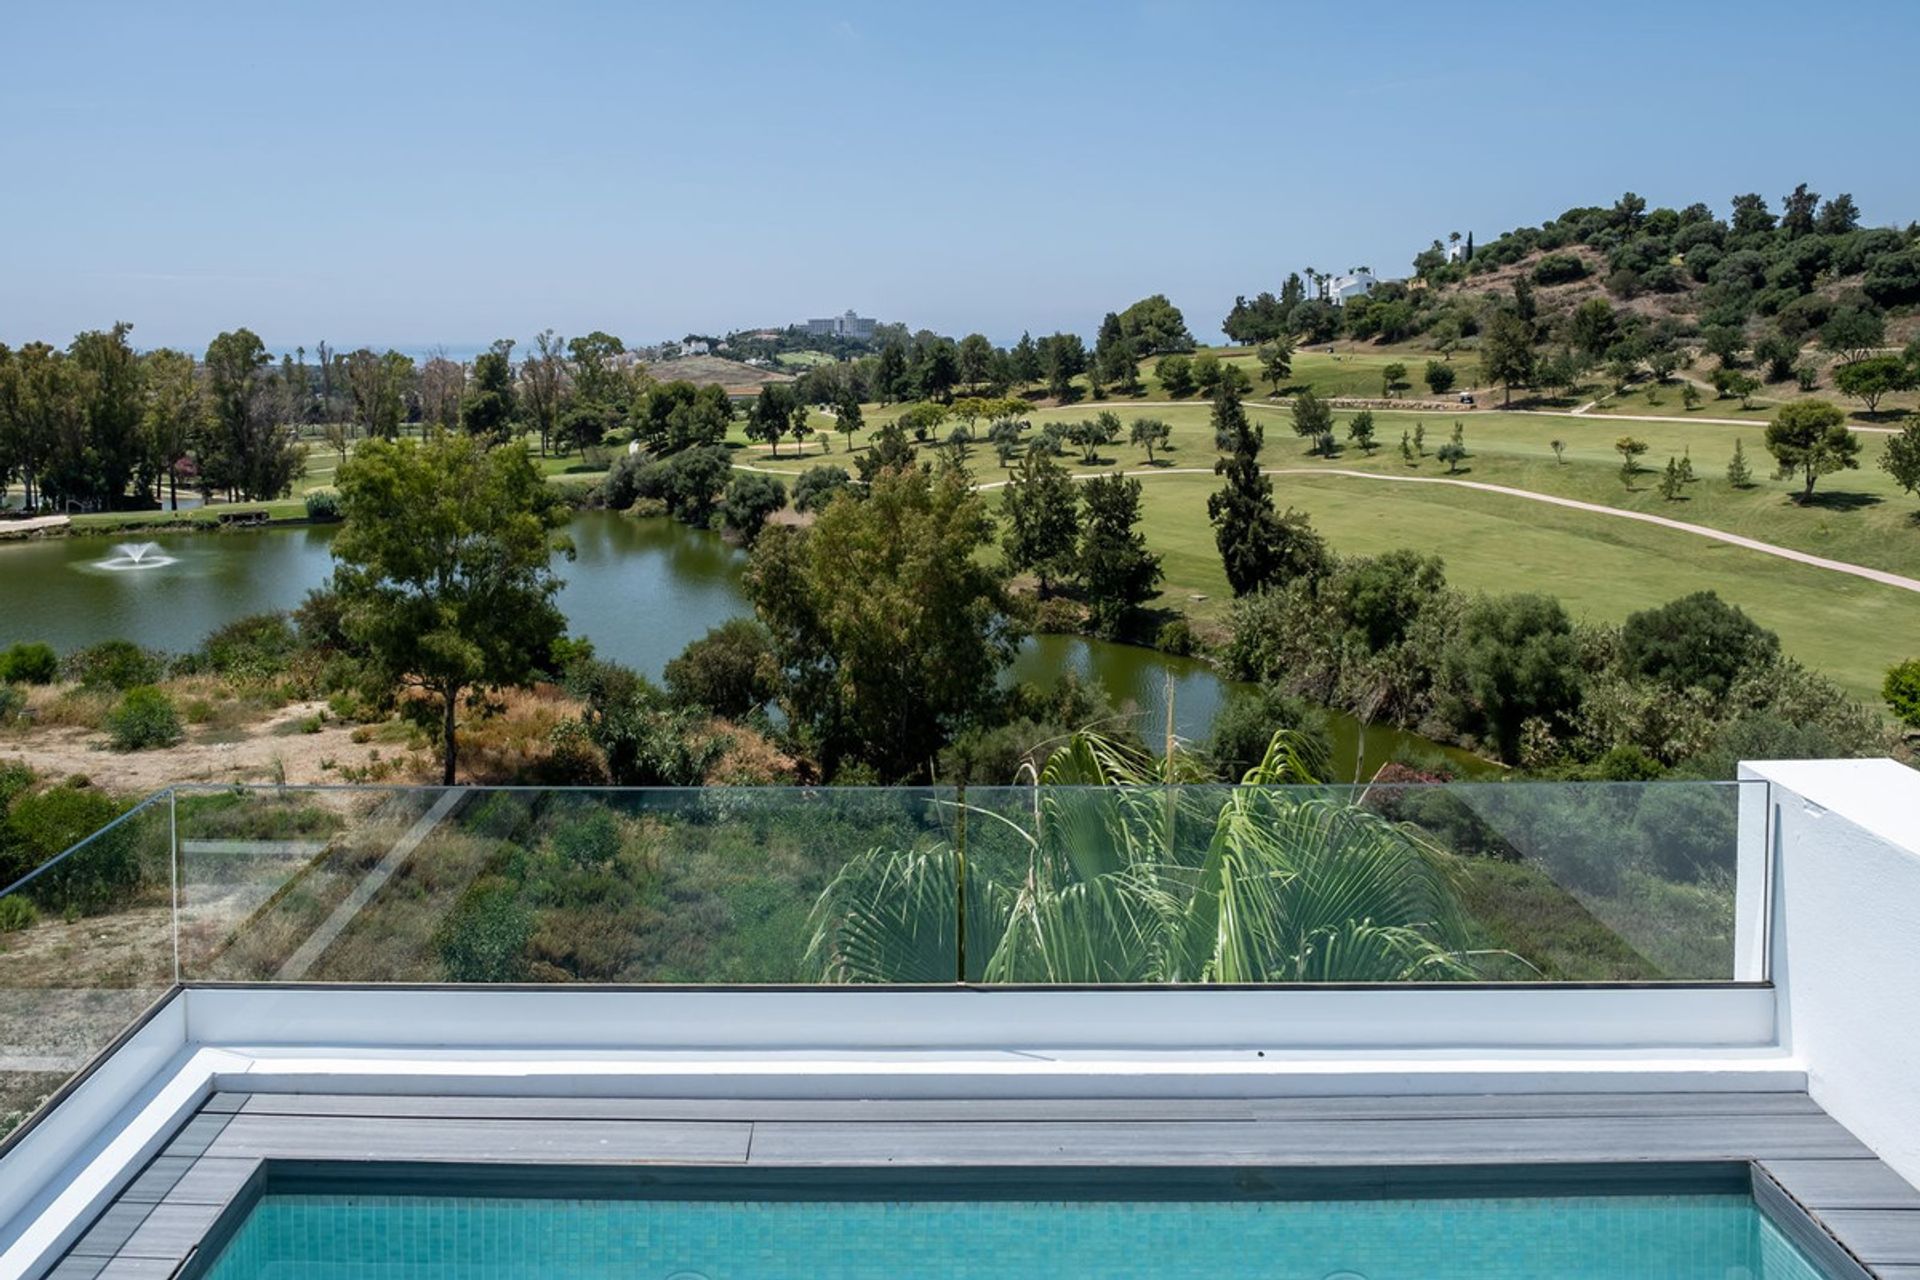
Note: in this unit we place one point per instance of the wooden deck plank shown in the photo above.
(1498, 1141)
(1878, 1236)
(1843, 1184)
(529, 1141)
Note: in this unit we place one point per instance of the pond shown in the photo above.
(641, 590)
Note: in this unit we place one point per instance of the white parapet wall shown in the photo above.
(1846, 941)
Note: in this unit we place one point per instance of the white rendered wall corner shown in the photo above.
(1846, 941)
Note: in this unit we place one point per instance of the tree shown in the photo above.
(173, 414)
(1360, 430)
(1671, 483)
(247, 451)
(1258, 547)
(1117, 572)
(1420, 439)
(1902, 458)
(444, 569)
(1175, 373)
(1810, 438)
(113, 406)
(730, 671)
(1452, 454)
(1740, 385)
(443, 383)
(1065, 359)
(817, 486)
(1853, 331)
(1276, 361)
(488, 410)
(1393, 377)
(1406, 447)
(771, 415)
(975, 359)
(752, 496)
(1024, 362)
(1559, 448)
(1042, 511)
(889, 628)
(1901, 689)
(890, 381)
(847, 414)
(1149, 432)
(1690, 397)
(543, 382)
(1312, 421)
(1869, 379)
(1439, 377)
(1629, 448)
(1154, 325)
(378, 386)
(1698, 641)
(1512, 659)
(1739, 474)
(1506, 352)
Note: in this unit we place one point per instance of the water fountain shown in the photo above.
(136, 555)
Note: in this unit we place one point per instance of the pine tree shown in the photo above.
(1406, 448)
(1739, 474)
(1043, 519)
(1670, 480)
(1117, 571)
(1686, 465)
(1420, 438)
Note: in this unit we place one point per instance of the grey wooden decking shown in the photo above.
(214, 1160)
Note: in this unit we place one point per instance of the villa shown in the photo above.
(1651, 1029)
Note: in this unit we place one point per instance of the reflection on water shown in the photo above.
(639, 589)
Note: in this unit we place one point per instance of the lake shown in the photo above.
(641, 590)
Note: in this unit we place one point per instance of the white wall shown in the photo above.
(1846, 941)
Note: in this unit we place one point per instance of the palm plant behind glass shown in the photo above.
(1111, 873)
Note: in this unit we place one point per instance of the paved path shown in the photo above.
(32, 524)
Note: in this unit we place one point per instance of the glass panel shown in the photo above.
(1571, 882)
(86, 944)
(716, 885)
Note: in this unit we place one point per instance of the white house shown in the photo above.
(1457, 251)
(1356, 284)
(698, 347)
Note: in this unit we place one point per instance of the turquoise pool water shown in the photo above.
(1667, 1237)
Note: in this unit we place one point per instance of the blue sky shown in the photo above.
(411, 174)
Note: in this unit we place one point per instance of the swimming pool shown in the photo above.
(1580, 1237)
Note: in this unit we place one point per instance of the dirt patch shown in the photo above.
(274, 749)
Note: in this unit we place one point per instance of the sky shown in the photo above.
(424, 174)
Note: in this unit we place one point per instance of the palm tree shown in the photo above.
(1112, 874)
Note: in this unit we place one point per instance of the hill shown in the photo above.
(717, 371)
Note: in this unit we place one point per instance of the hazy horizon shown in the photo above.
(477, 171)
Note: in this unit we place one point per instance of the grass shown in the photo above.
(1601, 567)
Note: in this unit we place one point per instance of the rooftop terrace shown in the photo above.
(232, 986)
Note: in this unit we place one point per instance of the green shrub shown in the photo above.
(1558, 268)
(323, 506)
(484, 938)
(730, 671)
(145, 718)
(13, 704)
(17, 913)
(257, 646)
(29, 663)
(590, 838)
(1176, 638)
(647, 508)
(115, 664)
(1902, 692)
(45, 824)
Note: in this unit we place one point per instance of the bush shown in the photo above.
(485, 936)
(30, 663)
(257, 646)
(590, 838)
(323, 506)
(751, 498)
(1176, 638)
(1558, 268)
(115, 664)
(45, 824)
(13, 704)
(17, 913)
(817, 486)
(145, 718)
(730, 671)
(647, 509)
(1902, 692)
(1439, 377)
(1245, 724)
(1696, 641)
(632, 476)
